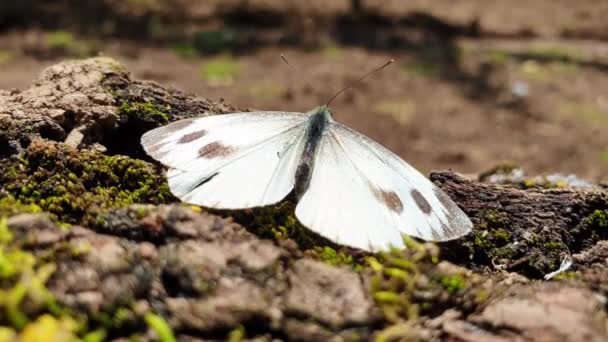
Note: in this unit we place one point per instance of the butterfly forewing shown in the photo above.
(364, 196)
(196, 144)
(231, 161)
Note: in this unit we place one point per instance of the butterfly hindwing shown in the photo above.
(364, 196)
(230, 161)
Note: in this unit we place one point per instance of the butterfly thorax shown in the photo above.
(318, 120)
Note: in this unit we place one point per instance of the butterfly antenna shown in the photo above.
(297, 70)
(358, 81)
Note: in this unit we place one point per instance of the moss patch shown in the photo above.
(144, 111)
(10, 206)
(160, 327)
(276, 222)
(411, 283)
(220, 70)
(22, 283)
(64, 43)
(493, 243)
(453, 283)
(5, 56)
(335, 257)
(74, 185)
(592, 228)
(28, 309)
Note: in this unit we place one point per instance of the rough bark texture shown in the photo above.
(131, 251)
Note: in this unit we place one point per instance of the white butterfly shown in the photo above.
(350, 189)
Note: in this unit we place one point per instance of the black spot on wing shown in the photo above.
(192, 136)
(156, 135)
(421, 202)
(215, 150)
(390, 199)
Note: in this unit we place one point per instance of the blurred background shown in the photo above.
(475, 84)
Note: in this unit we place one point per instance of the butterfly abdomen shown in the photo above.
(316, 126)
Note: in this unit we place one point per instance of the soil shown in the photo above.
(526, 91)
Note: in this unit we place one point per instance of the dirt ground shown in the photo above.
(478, 92)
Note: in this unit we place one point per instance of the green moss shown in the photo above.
(7, 334)
(597, 219)
(333, 52)
(567, 275)
(502, 236)
(64, 42)
(592, 228)
(5, 56)
(27, 308)
(396, 274)
(160, 327)
(397, 332)
(22, 282)
(116, 319)
(453, 283)
(6, 235)
(237, 334)
(603, 156)
(10, 206)
(266, 90)
(73, 186)
(481, 295)
(481, 240)
(144, 111)
(60, 39)
(590, 111)
(334, 257)
(185, 50)
(553, 245)
(49, 328)
(423, 69)
(554, 53)
(223, 70)
(498, 57)
(277, 222)
(542, 182)
(489, 235)
(94, 336)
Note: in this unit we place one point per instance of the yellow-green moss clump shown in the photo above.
(335, 257)
(28, 310)
(598, 219)
(73, 184)
(160, 327)
(411, 283)
(144, 111)
(592, 228)
(277, 222)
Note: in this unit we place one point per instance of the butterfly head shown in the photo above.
(323, 111)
